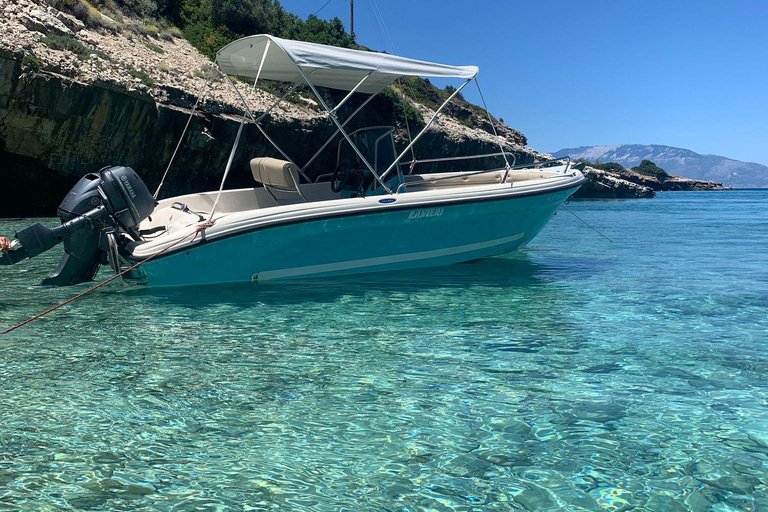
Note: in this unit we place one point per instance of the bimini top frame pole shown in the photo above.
(340, 127)
(423, 130)
(336, 132)
(237, 138)
(338, 68)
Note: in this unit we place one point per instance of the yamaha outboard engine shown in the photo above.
(103, 206)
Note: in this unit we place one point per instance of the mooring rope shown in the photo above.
(199, 228)
(586, 223)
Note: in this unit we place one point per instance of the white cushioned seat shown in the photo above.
(273, 172)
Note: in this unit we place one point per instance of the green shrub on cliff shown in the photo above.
(422, 91)
(93, 18)
(608, 166)
(31, 62)
(402, 111)
(69, 44)
(449, 89)
(142, 76)
(66, 43)
(154, 48)
(649, 168)
(211, 24)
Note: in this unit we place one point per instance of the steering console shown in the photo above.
(341, 176)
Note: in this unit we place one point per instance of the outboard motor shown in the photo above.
(97, 216)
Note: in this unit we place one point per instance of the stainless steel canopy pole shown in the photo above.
(239, 132)
(263, 132)
(340, 127)
(493, 126)
(432, 120)
(184, 132)
(328, 141)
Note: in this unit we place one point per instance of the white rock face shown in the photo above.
(171, 65)
(41, 21)
(70, 21)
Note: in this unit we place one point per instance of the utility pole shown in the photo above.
(352, 18)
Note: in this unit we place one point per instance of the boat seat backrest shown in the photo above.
(274, 172)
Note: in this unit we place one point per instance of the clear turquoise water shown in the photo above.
(579, 374)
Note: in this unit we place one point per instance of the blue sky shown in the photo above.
(691, 74)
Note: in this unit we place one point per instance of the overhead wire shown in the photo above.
(380, 17)
(382, 32)
(323, 7)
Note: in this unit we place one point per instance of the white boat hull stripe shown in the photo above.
(383, 260)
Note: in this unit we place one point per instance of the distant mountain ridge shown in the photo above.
(677, 161)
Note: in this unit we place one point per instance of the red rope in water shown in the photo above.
(200, 228)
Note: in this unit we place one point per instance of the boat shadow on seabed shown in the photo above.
(517, 271)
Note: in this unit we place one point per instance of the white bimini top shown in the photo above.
(326, 66)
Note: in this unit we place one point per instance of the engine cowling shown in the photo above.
(113, 201)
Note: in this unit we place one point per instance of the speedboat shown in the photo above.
(371, 212)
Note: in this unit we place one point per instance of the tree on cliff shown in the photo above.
(211, 24)
(649, 168)
(608, 166)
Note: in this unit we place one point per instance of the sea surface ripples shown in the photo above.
(576, 375)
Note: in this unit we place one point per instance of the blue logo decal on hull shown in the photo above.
(387, 200)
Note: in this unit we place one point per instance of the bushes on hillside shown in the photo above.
(31, 62)
(66, 43)
(646, 168)
(609, 166)
(651, 169)
(211, 24)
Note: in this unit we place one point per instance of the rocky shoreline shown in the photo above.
(71, 96)
(630, 184)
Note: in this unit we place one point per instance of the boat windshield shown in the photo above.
(376, 143)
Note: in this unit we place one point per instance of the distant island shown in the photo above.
(678, 161)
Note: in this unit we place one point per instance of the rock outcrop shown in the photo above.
(607, 185)
(626, 183)
(668, 183)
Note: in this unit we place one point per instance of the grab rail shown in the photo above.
(454, 158)
(475, 173)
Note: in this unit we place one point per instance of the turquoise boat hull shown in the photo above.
(386, 240)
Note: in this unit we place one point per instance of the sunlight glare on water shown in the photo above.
(577, 374)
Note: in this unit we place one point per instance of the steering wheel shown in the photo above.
(341, 176)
